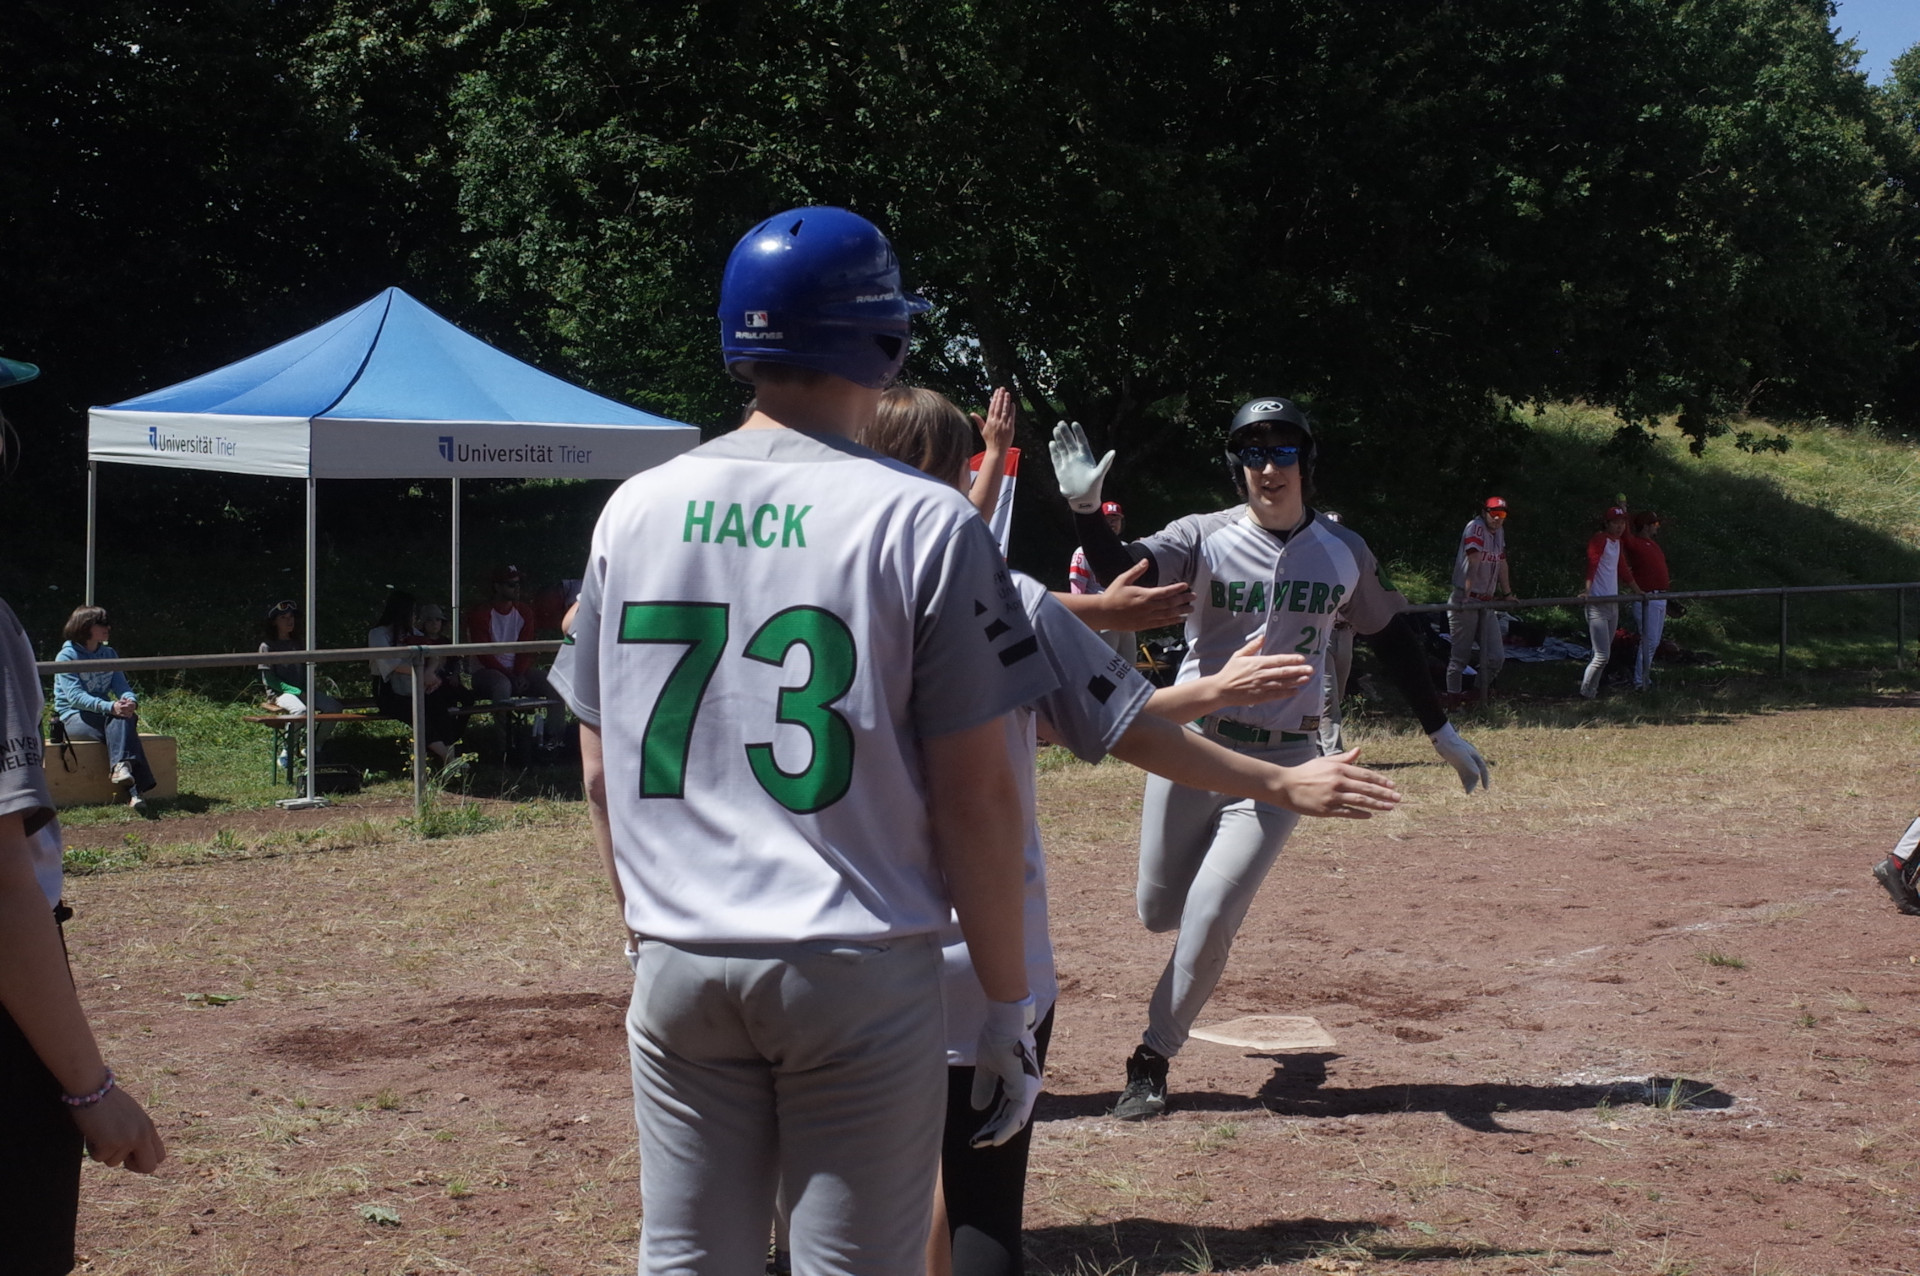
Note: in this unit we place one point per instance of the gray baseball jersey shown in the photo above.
(1246, 577)
(1480, 578)
(767, 627)
(1097, 696)
(23, 781)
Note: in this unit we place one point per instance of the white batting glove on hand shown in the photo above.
(1463, 757)
(633, 954)
(1079, 475)
(1006, 1071)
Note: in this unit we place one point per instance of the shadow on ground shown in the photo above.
(1149, 1247)
(1298, 1088)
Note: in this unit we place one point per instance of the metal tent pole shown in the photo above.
(93, 515)
(312, 796)
(419, 697)
(453, 593)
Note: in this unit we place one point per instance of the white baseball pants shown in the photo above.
(816, 1068)
(1202, 858)
(1339, 666)
(1653, 622)
(1602, 619)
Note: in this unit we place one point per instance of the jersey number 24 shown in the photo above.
(702, 629)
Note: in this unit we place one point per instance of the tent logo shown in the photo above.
(191, 444)
(446, 447)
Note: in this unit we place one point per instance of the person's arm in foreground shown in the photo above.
(996, 434)
(38, 993)
(1247, 678)
(973, 808)
(593, 770)
(1331, 786)
(1126, 605)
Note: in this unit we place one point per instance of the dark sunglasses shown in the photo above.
(1256, 456)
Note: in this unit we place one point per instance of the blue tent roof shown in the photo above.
(391, 359)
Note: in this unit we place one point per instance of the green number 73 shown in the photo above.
(701, 628)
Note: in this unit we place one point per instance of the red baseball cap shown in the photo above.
(1111, 507)
(501, 575)
(1613, 512)
(1497, 503)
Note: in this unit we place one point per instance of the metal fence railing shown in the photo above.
(1782, 592)
(417, 659)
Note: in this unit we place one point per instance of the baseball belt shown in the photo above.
(1242, 733)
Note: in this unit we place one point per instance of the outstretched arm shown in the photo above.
(996, 434)
(1398, 647)
(1125, 605)
(1325, 786)
(1247, 678)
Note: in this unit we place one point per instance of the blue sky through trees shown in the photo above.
(1882, 29)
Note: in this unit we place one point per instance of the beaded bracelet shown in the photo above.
(88, 1100)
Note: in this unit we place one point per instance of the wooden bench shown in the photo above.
(511, 714)
(84, 777)
(293, 747)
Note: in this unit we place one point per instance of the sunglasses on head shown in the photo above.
(1256, 456)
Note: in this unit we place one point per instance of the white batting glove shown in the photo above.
(1463, 757)
(1079, 475)
(633, 953)
(1006, 1071)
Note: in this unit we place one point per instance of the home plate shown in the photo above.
(1269, 1034)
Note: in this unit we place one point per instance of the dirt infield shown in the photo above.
(1638, 1010)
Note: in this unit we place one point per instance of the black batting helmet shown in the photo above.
(1270, 411)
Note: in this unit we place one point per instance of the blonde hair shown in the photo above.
(924, 429)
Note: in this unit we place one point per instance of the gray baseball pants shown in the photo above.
(817, 1068)
(1202, 858)
(1653, 623)
(1602, 619)
(1339, 666)
(1470, 629)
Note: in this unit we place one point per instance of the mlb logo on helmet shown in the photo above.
(756, 318)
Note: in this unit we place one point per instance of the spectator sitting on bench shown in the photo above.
(451, 670)
(506, 619)
(287, 683)
(393, 679)
(101, 705)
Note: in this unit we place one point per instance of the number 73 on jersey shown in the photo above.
(702, 630)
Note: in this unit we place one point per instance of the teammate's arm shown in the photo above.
(1125, 605)
(974, 809)
(593, 769)
(1247, 678)
(1331, 786)
(1398, 647)
(996, 435)
(38, 994)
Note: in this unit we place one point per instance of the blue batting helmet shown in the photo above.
(817, 288)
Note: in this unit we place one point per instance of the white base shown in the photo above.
(1268, 1034)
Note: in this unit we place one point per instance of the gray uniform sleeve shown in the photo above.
(1176, 549)
(1373, 603)
(975, 656)
(576, 669)
(23, 781)
(1099, 693)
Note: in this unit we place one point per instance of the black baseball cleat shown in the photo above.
(1891, 874)
(1146, 1094)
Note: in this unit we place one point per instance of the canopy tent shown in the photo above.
(387, 390)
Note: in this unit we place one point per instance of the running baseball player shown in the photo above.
(1897, 871)
(1273, 568)
(1480, 575)
(1095, 709)
(791, 659)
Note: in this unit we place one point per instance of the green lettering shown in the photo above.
(1318, 603)
(1218, 594)
(734, 525)
(791, 533)
(704, 521)
(1333, 597)
(1297, 596)
(1236, 595)
(1257, 597)
(766, 541)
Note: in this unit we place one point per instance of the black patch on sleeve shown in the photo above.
(1099, 688)
(979, 608)
(1020, 651)
(997, 628)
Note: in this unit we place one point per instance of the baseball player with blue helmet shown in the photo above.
(1270, 568)
(791, 659)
